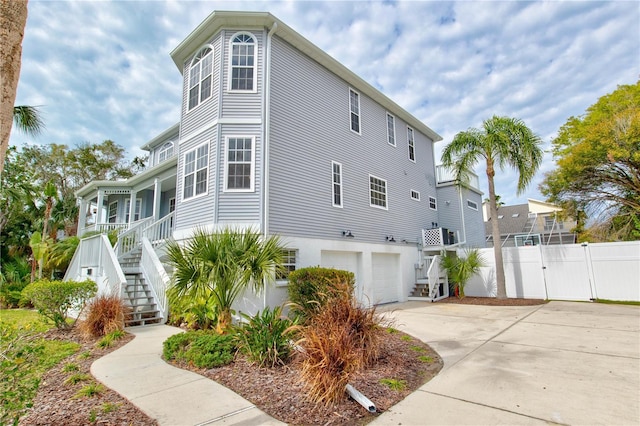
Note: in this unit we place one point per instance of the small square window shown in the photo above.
(472, 205)
(415, 195)
(432, 203)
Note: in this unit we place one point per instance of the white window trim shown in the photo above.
(164, 149)
(411, 143)
(253, 163)
(255, 63)
(411, 192)
(359, 132)
(285, 282)
(473, 202)
(174, 204)
(386, 193)
(115, 217)
(184, 162)
(200, 101)
(435, 203)
(394, 144)
(333, 199)
(138, 211)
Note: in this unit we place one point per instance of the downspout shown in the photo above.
(464, 228)
(266, 101)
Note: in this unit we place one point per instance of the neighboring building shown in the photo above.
(277, 136)
(531, 224)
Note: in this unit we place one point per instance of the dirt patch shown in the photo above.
(492, 301)
(56, 402)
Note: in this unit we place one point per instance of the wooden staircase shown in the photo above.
(138, 296)
(432, 287)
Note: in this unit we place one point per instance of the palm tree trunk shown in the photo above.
(224, 321)
(501, 287)
(13, 18)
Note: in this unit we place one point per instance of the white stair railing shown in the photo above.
(95, 259)
(434, 277)
(160, 230)
(155, 274)
(130, 239)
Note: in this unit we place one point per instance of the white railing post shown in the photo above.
(155, 274)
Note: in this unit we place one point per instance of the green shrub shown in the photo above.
(394, 384)
(105, 314)
(89, 391)
(204, 349)
(56, 299)
(338, 342)
(265, 338)
(198, 314)
(108, 339)
(310, 288)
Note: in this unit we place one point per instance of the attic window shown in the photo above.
(166, 151)
(515, 215)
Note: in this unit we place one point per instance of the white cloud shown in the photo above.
(102, 70)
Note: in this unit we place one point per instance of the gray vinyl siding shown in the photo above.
(310, 128)
(241, 104)
(207, 111)
(240, 206)
(449, 209)
(197, 210)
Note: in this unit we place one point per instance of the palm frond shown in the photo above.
(28, 120)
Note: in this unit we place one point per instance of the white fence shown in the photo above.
(564, 272)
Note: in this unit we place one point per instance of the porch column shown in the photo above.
(157, 194)
(132, 207)
(82, 216)
(100, 208)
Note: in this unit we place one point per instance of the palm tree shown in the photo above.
(220, 267)
(502, 141)
(28, 120)
(13, 19)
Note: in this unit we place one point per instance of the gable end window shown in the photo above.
(472, 205)
(432, 203)
(243, 70)
(391, 129)
(354, 110)
(196, 168)
(240, 164)
(377, 192)
(415, 195)
(412, 146)
(200, 77)
(336, 173)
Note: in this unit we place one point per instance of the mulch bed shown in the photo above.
(56, 402)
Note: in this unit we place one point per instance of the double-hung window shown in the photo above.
(354, 110)
(243, 54)
(200, 77)
(391, 129)
(240, 164)
(412, 146)
(113, 212)
(288, 264)
(196, 167)
(336, 173)
(377, 192)
(136, 212)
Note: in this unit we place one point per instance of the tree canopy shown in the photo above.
(598, 163)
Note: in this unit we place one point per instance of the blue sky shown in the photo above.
(101, 69)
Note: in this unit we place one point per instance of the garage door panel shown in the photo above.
(385, 279)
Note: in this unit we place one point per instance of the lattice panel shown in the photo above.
(432, 237)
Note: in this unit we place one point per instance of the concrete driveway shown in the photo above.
(563, 362)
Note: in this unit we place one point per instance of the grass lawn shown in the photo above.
(25, 355)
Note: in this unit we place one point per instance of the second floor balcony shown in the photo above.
(446, 176)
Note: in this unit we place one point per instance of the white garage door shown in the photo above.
(345, 260)
(385, 279)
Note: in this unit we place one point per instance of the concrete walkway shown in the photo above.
(168, 394)
(563, 362)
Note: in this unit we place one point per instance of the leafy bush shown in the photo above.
(105, 314)
(310, 288)
(56, 299)
(204, 349)
(14, 277)
(338, 341)
(265, 338)
(196, 314)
